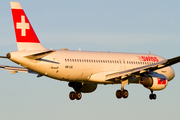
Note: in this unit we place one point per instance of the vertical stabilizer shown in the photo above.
(25, 36)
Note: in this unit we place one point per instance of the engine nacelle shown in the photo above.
(154, 81)
(85, 88)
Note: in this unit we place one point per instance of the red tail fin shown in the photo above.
(25, 35)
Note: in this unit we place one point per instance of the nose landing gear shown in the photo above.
(152, 96)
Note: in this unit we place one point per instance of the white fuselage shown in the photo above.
(81, 65)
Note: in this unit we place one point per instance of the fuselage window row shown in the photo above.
(93, 61)
(108, 61)
(139, 62)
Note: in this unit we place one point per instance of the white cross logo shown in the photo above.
(23, 26)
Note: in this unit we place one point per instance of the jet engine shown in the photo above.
(84, 88)
(154, 81)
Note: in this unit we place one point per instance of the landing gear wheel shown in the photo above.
(72, 95)
(152, 96)
(122, 93)
(78, 95)
(75, 95)
(125, 93)
(118, 94)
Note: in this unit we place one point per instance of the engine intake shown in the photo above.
(147, 82)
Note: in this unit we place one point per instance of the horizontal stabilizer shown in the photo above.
(17, 69)
(3, 57)
(39, 55)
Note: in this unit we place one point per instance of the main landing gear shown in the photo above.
(152, 96)
(122, 93)
(75, 95)
(77, 87)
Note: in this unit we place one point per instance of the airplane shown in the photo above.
(84, 70)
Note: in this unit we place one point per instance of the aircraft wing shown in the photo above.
(144, 69)
(17, 69)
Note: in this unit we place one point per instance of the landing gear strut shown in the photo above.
(75, 95)
(76, 86)
(152, 96)
(122, 93)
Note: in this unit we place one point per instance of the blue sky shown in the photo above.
(95, 25)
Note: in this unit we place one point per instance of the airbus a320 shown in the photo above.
(84, 70)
